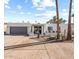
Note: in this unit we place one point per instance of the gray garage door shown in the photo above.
(18, 30)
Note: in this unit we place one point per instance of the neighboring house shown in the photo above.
(5, 28)
(31, 29)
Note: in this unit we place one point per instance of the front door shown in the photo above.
(37, 29)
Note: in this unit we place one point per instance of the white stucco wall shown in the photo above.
(45, 30)
(63, 28)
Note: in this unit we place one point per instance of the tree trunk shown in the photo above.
(38, 34)
(69, 22)
(57, 14)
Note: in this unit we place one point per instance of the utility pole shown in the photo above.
(69, 22)
(57, 14)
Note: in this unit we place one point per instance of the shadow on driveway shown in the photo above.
(31, 44)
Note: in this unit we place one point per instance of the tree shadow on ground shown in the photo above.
(32, 44)
(39, 39)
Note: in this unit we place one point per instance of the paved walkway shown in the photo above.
(60, 50)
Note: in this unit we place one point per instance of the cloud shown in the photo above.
(6, 1)
(41, 4)
(21, 12)
(64, 10)
(64, 14)
(35, 2)
(50, 13)
(19, 7)
(28, 12)
(46, 15)
(40, 8)
(6, 6)
(48, 3)
(43, 17)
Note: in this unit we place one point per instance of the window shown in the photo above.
(53, 31)
(50, 29)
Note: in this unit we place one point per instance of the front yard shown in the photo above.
(55, 50)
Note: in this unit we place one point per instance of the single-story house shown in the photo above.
(32, 29)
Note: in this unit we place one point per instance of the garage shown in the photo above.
(18, 30)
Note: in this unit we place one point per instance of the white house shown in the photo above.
(32, 29)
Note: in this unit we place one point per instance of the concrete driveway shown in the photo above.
(60, 50)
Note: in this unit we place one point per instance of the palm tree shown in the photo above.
(61, 20)
(64, 21)
(57, 14)
(54, 20)
(69, 22)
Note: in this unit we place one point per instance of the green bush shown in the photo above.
(51, 38)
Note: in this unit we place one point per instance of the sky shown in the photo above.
(33, 11)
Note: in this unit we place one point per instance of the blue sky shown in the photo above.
(35, 10)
